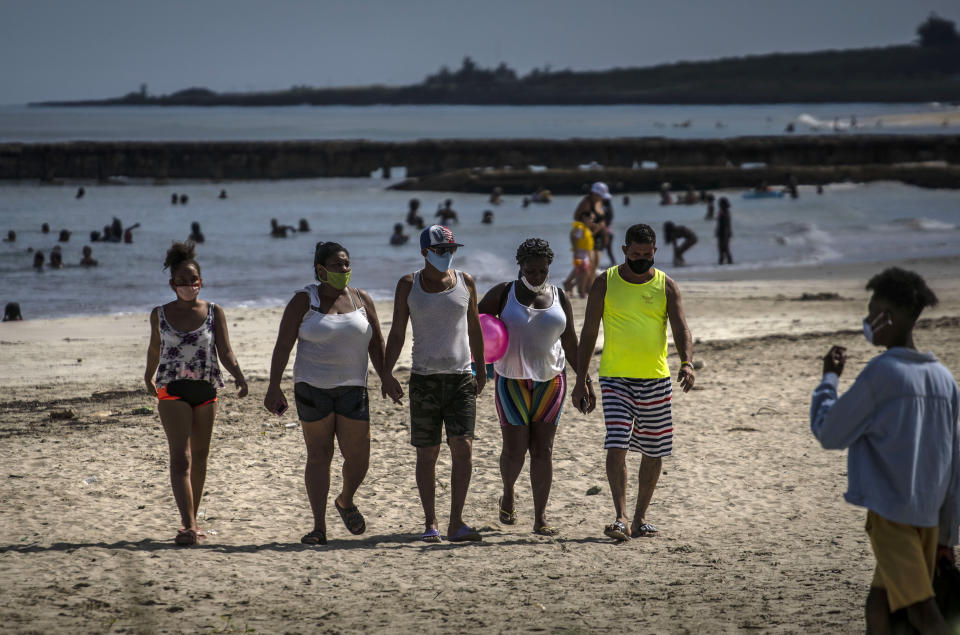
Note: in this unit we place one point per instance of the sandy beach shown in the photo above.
(755, 534)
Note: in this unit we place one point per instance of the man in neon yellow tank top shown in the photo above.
(634, 301)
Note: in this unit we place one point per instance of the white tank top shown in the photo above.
(533, 348)
(440, 343)
(332, 349)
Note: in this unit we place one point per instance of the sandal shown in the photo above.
(546, 530)
(351, 517)
(315, 537)
(431, 535)
(465, 534)
(617, 531)
(646, 530)
(507, 518)
(186, 537)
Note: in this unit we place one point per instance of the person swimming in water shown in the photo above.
(398, 238)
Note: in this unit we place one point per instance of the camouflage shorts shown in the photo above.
(441, 401)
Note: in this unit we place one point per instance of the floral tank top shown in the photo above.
(190, 355)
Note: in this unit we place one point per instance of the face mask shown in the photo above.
(640, 265)
(187, 292)
(338, 280)
(868, 331)
(440, 263)
(538, 289)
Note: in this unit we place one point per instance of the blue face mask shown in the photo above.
(438, 262)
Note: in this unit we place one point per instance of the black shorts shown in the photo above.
(195, 392)
(315, 403)
(441, 401)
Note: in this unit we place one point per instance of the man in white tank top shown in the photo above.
(441, 303)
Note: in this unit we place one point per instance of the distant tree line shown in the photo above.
(926, 72)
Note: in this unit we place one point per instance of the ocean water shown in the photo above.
(405, 123)
(244, 267)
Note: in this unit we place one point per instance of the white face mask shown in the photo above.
(538, 290)
(440, 263)
(188, 292)
(867, 331)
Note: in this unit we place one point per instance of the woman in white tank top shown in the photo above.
(336, 330)
(530, 377)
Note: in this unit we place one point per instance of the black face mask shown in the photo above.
(640, 266)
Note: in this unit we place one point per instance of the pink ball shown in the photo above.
(495, 337)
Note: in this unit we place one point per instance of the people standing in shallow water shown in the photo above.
(187, 336)
(38, 261)
(88, 259)
(446, 213)
(280, 231)
(56, 258)
(11, 313)
(196, 234)
(303, 226)
(45, 228)
(64, 236)
(441, 303)
(398, 238)
(724, 231)
(11, 237)
(682, 238)
(128, 233)
(184, 199)
(496, 197)
(531, 380)
(80, 192)
(487, 218)
(335, 328)
(223, 195)
(174, 199)
(413, 214)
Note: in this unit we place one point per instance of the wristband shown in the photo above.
(588, 380)
(682, 364)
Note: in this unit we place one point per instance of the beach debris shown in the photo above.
(142, 411)
(818, 297)
(90, 480)
(59, 415)
(743, 429)
(593, 491)
(290, 426)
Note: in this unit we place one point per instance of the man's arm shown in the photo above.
(682, 338)
(950, 510)
(588, 340)
(475, 334)
(398, 333)
(839, 421)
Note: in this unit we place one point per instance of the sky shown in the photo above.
(71, 49)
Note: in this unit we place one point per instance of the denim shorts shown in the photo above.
(315, 403)
(438, 402)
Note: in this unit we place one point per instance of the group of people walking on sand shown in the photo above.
(899, 419)
(336, 330)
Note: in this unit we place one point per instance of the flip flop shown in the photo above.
(186, 537)
(431, 535)
(465, 534)
(646, 530)
(352, 518)
(507, 518)
(617, 531)
(546, 530)
(315, 537)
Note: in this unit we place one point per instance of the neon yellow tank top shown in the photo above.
(635, 327)
(585, 241)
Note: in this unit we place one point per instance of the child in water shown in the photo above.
(187, 336)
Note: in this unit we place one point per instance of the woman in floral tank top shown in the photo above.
(186, 338)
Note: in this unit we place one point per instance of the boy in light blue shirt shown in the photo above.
(899, 420)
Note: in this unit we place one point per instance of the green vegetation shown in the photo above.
(928, 71)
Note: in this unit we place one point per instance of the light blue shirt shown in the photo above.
(899, 419)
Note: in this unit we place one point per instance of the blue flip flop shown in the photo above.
(431, 535)
(465, 534)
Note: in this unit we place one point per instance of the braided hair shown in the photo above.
(534, 248)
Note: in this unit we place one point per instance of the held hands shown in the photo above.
(583, 397)
(390, 387)
(686, 377)
(834, 360)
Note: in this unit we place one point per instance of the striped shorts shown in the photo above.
(637, 414)
(521, 402)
